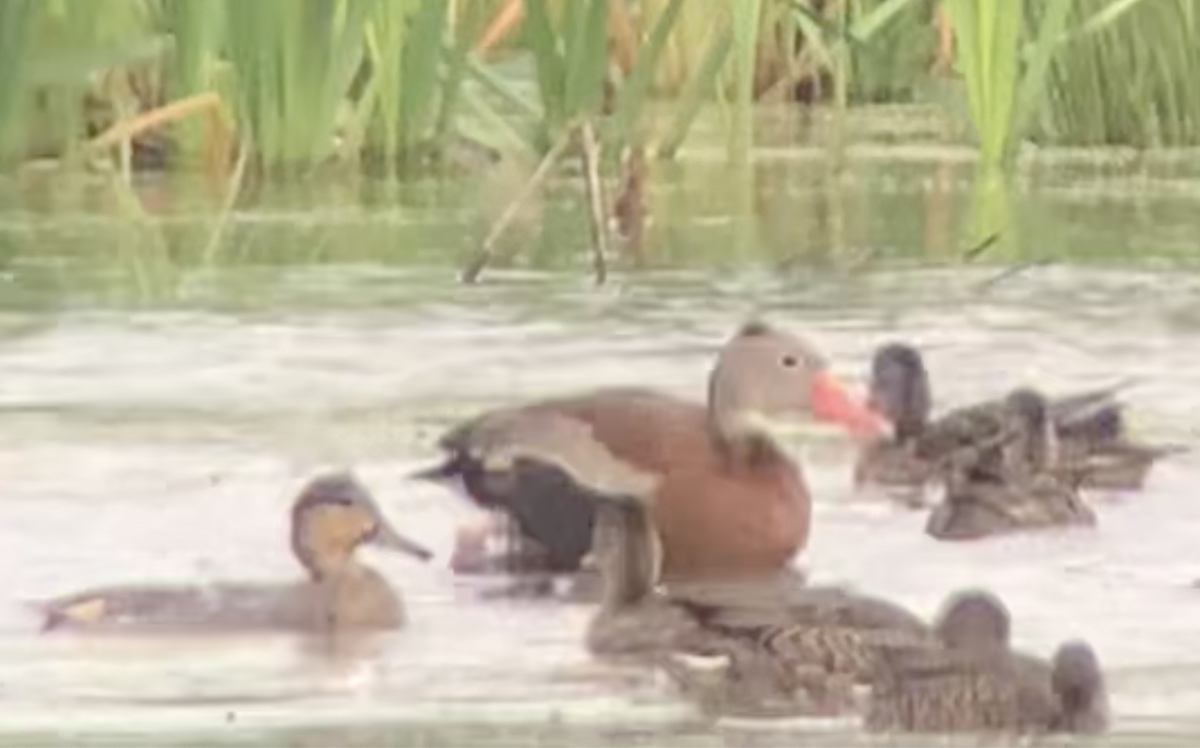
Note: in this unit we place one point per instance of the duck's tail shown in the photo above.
(50, 615)
(445, 470)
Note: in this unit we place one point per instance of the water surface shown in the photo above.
(158, 412)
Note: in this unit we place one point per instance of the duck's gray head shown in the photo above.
(974, 619)
(1079, 684)
(333, 516)
(899, 388)
(1029, 414)
(766, 379)
(1029, 407)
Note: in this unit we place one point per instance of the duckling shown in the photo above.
(331, 518)
(1012, 484)
(976, 683)
(1096, 451)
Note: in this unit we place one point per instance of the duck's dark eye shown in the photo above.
(789, 361)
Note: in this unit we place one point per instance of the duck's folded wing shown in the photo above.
(936, 689)
(549, 470)
(209, 608)
(963, 437)
(775, 646)
(563, 441)
(783, 602)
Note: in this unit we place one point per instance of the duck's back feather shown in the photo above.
(240, 606)
(360, 599)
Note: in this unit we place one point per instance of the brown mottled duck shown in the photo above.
(331, 518)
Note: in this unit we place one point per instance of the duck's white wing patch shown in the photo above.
(565, 442)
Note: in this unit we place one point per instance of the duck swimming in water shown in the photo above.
(778, 649)
(764, 648)
(726, 501)
(331, 518)
(1014, 482)
(1095, 450)
(976, 683)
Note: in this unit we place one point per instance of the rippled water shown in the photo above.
(165, 445)
(160, 406)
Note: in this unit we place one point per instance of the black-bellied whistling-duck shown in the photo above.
(1094, 449)
(725, 499)
(976, 683)
(1014, 483)
(331, 518)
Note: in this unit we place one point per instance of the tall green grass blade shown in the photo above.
(1049, 28)
(497, 85)
(1109, 14)
(421, 76)
(457, 58)
(863, 48)
(293, 60)
(495, 130)
(585, 42)
(634, 90)
(406, 48)
(385, 44)
(745, 19)
(16, 23)
(253, 45)
(818, 35)
(988, 53)
(195, 29)
(866, 25)
(698, 88)
(1125, 74)
(549, 64)
(75, 44)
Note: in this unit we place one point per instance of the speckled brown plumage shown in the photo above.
(975, 683)
(1094, 450)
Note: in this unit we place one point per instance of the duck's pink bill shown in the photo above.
(831, 401)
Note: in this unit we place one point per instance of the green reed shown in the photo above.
(15, 27)
(1005, 69)
(311, 81)
(405, 50)
(1127, 74)
(293, 61)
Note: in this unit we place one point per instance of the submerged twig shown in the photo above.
(471, 272)
(630, 207)
(981, 247)
(1009, 273)
(597, 204)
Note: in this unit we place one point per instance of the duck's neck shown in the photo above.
(628, 555)
(326, 566)
(1034, 451)
(1079, 700)
(910, 414)
(910, 422)
(741, 448)
(739, 445)
(908, 431)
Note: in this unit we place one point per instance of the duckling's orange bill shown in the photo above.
(386, 536)
(831, 401)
